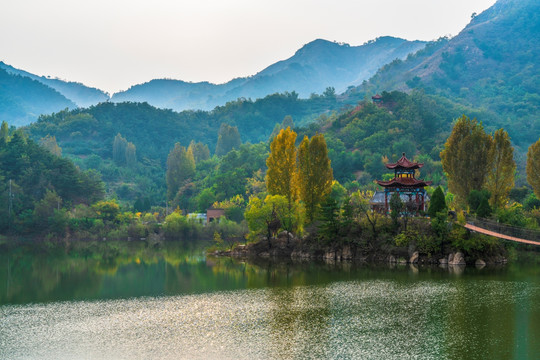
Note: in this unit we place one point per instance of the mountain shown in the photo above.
(81, 95)
(316, 66)
(22, 99)
(492, 63)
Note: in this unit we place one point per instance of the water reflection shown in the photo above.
(131, 301)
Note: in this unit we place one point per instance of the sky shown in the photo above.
(114, 44)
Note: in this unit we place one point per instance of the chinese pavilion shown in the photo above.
(410, 190)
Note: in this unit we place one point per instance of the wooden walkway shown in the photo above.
(499, 235)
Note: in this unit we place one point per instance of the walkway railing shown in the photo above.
(504, 229)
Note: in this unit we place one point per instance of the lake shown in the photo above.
(128, 301)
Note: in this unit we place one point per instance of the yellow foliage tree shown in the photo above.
(314, 173)
(281, 174)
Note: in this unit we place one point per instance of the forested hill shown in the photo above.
(493, 63)
(80, 94)
(155, 131)
(316, 66)
(22, 99)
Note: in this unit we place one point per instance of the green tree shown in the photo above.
(119, 149)
(228, 139)
(180, 168)
(501, 174)
(437, 202)
(44, 209)
(131, 155)
(396, 207)
(484, 210)
(533, 167)
(314, 173)
(466, 158)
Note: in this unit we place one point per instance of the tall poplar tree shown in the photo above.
(180, 168)
(4, 132)
(314, 173)
(228, 139)
(533, 167)
(119, 149)
(501, 174)
(200, 151)
(131, 154)
(281, 174)
(467, 157)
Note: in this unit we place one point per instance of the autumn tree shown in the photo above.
(49, 143)
(533, 167)
(4, 132)
(466, 158)
(501, 174)
(200, 151)
(228, 139)
(180, 168)
(314, 173)
(281, 163)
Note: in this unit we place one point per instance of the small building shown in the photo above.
(199, 218)
(377, 99)
(214, 215)
(410, 190)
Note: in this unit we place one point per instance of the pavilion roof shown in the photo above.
(405, 163)
(404, 182)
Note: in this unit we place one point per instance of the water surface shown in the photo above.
(174, 303)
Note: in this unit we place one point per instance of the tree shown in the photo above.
(396, 207)
(49, 143)
(131, 155)
(4, 132)
(228, 139)
(533, 167)
(501, 174)
(314, 173)
(200, 151)
(437, 203)
(281, 174)
(180, 168)
(466, 157)
(119, 149)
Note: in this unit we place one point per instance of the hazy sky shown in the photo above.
(113, 44)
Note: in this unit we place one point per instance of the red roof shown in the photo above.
(376, 96)
(404, 181)
(403, 162)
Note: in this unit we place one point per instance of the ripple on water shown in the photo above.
(357, 319)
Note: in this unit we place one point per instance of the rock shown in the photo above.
(329, 255)
(480, 263)
(402, 261)
(443, 261)
(392, 259)
(450, 258)
(346, 253)
(264, 254)
(414, 258)
(458, 259)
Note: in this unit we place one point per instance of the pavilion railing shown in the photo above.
(509, 230)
